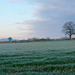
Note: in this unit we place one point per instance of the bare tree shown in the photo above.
(69, 28)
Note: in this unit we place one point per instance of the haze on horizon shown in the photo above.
(22, 19)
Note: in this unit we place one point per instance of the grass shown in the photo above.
(38, 58)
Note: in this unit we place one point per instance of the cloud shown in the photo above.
(40, 27)
(59, 9)
(32, 21)
(50, 16)
(54, 1)
(27, 27)
(16, 0)
(17, 31)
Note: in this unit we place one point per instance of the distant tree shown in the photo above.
(10, 39)
(48, 38)
(69, 28)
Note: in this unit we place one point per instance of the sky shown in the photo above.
(22, 19)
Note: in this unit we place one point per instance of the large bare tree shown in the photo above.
(69, 28)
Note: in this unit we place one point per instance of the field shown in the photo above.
(38, 58)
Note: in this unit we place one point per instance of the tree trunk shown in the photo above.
(70, 36)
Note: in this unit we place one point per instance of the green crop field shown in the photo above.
(38, 58)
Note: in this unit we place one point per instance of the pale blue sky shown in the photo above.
(22, 19)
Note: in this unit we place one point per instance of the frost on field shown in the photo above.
(50, 56)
